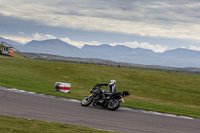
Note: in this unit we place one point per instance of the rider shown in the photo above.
(112, 87)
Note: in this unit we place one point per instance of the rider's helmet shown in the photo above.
(112, 82)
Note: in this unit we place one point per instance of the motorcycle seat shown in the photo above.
(110, 93)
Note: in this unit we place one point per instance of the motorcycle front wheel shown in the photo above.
(86, 101)
(113, 104)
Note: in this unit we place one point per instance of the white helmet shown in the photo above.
(112, 81)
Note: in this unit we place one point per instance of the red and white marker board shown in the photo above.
(62, 87)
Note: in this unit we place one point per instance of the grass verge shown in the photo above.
(177, 93)
(18, 125)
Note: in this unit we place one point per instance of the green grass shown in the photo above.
(19, 125)
(177, 93)
(17, 55)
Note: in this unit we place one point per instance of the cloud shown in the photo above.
(194, 48)
(153, 18)
(23, 38)
(22, 33)
(156, 48)
(40, 37)
(79, 44)
(18, 39)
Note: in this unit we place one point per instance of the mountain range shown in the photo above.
(174, 58)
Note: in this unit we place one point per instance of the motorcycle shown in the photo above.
(111, 101)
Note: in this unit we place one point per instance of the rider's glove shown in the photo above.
(98, 85)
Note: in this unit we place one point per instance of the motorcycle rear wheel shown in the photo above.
(86, 101)
(114, 104)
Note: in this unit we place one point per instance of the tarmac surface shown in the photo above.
(30, 105)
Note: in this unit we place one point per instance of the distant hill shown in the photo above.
(173, 58)
(182, 53)
(52, 46)
(119, 53)
(181, 58)
(10, 42)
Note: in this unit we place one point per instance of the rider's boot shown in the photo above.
(94, 103)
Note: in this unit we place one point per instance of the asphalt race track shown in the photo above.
(30, 105)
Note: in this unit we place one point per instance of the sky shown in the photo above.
(158, 25)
